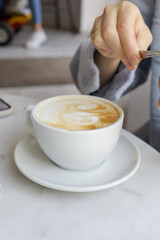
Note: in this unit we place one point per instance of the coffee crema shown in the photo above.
(77, 113)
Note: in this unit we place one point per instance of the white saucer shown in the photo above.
(118, 167)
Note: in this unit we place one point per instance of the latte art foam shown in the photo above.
(77, 113)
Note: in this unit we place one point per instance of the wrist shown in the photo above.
(107, 67)
(98, 57)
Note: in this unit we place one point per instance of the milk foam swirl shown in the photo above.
(77, 114)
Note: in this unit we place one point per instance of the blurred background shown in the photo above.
(43, 71)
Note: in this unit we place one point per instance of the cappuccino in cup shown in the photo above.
(75, 113)
(77, 132)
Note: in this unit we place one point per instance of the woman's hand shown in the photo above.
(120, 33)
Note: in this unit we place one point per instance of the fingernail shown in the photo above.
(130, 66)
(134, 60)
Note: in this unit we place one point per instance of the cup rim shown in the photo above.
(121, 117)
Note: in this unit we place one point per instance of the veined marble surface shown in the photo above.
(130, 211)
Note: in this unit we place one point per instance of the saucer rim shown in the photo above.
(68, 188)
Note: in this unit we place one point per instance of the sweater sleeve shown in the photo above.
(86, 74)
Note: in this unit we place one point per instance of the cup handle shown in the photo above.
(27, 118)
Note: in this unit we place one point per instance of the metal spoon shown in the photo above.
(148, 54)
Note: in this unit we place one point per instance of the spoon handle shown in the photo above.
(148, 54)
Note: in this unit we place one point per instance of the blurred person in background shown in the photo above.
(108, 63)
(38, 37)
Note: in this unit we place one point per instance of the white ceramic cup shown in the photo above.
(75, 150)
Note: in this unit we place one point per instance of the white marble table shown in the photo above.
(130, 211)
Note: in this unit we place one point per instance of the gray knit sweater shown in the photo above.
(86, 74)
